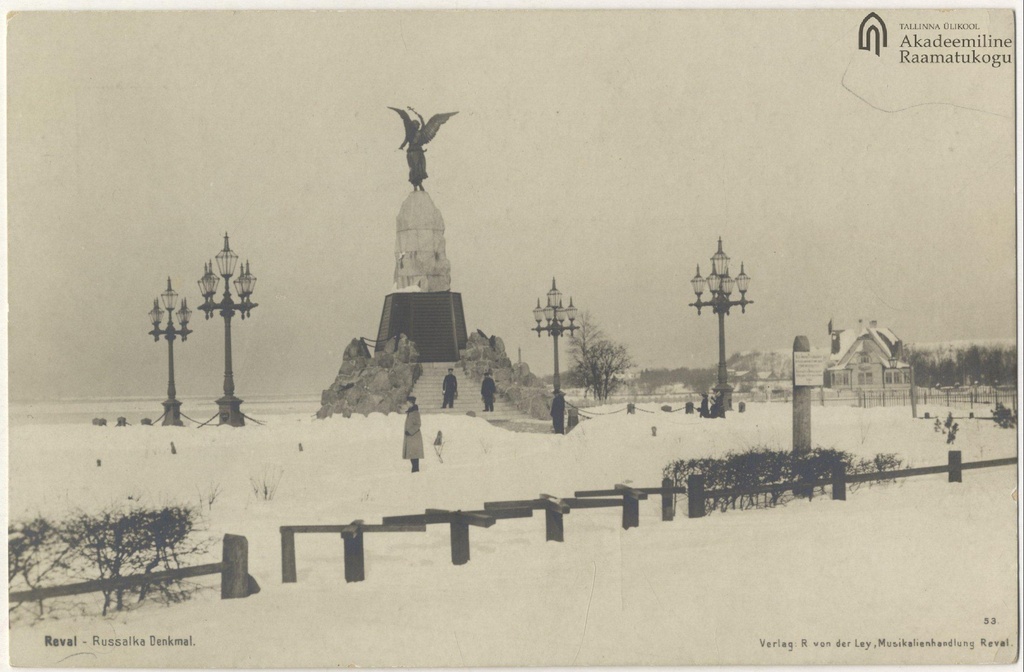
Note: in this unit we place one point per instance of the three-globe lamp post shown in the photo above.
(721, 285)
(172, 407)
(229, 405)
(559, 320)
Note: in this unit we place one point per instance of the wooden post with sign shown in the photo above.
(806, 374)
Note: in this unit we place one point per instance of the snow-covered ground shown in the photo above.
(919, 560)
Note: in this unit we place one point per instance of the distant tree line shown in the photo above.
(948, 366)
(694, 379)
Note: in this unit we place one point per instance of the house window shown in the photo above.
(865, 358)
(865, 378)
(840, 379)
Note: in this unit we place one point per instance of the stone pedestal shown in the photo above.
(434, 321)
(172, 413)
(230, 411)
(420, 260)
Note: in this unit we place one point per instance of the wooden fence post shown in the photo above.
(354, 557)
(630, 511)
(839, 481)
(695, 495)
(554, 525)
(913, 394)
(668, 503)
(955, 473)
(460, 543)
(234, 576)
(288, 574)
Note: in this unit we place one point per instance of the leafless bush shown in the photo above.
(114, 543)
(35, 556)
(208, 496)
(760, 467)
(264, 485)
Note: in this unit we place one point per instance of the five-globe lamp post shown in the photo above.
(721, 286)
(559, 320)
(229, 405)
(172, 407)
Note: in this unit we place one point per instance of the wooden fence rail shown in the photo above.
(235, 581)
(352, 537)
(555, 509)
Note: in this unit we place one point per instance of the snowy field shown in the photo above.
(919, 560)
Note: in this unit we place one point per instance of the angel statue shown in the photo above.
(417, 134)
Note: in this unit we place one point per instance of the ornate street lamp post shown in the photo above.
(172, 407)
(556, 317)
(721, 285)
(229, 405)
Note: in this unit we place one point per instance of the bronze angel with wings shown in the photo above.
(417, 134)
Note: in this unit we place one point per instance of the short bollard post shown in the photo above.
(234, 576)
(554, 525)
(288, 574)
(839, 481)
(743, 407)
(695, 495)
(460, 543)
(354, 558)
(689, 408)
(955, 473)
(630, 409)
(668, 504)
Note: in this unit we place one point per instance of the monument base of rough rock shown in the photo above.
(434, 321)
(366, 384)
(514, 382)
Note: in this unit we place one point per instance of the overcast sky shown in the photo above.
(608, 149)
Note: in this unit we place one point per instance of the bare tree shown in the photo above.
(597, 362)
(583, 372)
(612, 361)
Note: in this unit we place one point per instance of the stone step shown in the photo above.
(430, 397)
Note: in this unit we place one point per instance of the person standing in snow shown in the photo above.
(412, 446)
(704, 412)
(558, 412)
(487, 390)
(450, 387)
(718, 406)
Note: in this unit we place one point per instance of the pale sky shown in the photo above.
(608, 149)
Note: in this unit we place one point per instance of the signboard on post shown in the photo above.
(808, 368)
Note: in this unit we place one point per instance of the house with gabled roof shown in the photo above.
(868, 357)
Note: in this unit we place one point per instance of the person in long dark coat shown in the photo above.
(487, 390)
(558, 412)
(718, 406)
(704, 412)
(450, 387)
(412, 446)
